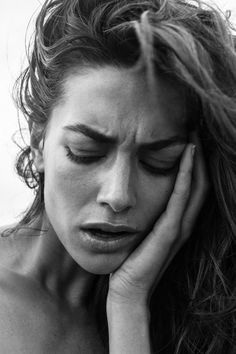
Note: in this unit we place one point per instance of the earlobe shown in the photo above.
(37, 155)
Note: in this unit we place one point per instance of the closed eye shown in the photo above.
(86, 159)
(82, 158)
(160, 170)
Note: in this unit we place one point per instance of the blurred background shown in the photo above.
(16, 26)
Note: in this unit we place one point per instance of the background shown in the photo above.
(16, 26)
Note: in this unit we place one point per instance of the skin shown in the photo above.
(117, 188)
(57, 270)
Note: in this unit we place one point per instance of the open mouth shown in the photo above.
(102, 233)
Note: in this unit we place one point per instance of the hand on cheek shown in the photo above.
(137, 276)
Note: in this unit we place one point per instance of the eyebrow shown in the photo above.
(102, 138)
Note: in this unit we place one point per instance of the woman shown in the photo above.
(129, 245)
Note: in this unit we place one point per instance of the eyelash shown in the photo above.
(81, 159)
(91, 159)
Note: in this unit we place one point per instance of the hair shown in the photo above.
(193, 307)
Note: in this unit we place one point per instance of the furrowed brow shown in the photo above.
(91, 133)
(163, 143)
(102, 138)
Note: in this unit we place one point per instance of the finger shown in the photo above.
(200, 186)
(180, 195)
(176, 207)
(148, 258)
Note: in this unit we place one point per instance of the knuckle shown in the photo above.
(181, 193)
(170, 232)
(185, 174)
(183, 181)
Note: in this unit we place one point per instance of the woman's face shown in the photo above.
(120, 181)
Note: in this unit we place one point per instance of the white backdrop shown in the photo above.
(15, 16)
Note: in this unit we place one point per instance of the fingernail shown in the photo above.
(193, 150)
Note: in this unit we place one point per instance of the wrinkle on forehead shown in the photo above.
(121, 101)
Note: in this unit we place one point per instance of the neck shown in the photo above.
(52, 266)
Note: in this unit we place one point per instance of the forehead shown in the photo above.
(110, 98)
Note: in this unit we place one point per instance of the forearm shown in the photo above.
(128, 329)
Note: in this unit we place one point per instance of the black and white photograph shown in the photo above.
(118, 177)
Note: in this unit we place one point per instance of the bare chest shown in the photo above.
(33, 325)
(22, 335)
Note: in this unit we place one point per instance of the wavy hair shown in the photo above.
(193, 308)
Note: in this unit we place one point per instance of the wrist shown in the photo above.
(125, 307)
(128, 325)
(138, 300)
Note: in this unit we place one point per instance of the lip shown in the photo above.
(110, 228)
(106, 243)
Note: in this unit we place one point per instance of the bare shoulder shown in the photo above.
(14, 245)
(27, 316)
(31, 319)
(31, 322)
(21, 299)
(16, 285)
(8, 251)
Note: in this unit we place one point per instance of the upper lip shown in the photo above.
(109, 227)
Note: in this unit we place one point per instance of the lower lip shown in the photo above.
(106, 243)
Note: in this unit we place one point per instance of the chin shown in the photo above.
(101, 265)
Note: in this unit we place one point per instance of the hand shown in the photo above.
(137, 277)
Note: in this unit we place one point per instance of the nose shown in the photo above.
(117, 187)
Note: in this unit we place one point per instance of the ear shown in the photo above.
(37, 154)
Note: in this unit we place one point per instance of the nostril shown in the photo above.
(114, 204)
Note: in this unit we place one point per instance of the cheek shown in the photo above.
(156, 197)
(66, 189)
